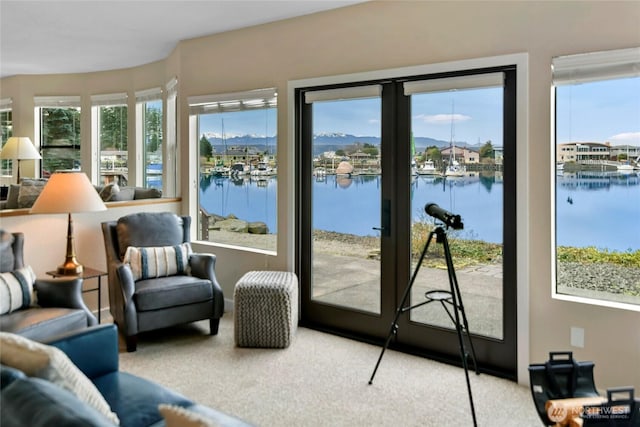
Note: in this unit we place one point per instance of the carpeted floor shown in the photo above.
(322, 380)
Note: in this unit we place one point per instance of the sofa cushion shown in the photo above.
(9, 375)
(36, 402)
(158, 261)
(16, 289)
(7, 260)
(30, 189)
(136, 399)
(125, 194)
(50, 363)
(147, 193)
(107, 192)
(12, 196)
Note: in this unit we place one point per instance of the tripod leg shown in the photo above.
(457, 307)
(401, 309)
(466, 371)
(394, 330)
(466, 329)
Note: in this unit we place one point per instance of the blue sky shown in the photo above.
(476, 114)
(590, 112)
(255, 122)
(600, 112)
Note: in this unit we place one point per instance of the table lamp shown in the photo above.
(19, 148)
(68, 192)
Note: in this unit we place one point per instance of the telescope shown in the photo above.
(449, 219)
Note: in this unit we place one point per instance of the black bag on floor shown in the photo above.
(560, 377)
(618, 411)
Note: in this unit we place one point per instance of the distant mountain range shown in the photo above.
(322, 142)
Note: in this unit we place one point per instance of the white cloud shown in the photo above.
(373, 121)
(632, 138)
(443, 118)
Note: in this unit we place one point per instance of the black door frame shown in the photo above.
(374, 328)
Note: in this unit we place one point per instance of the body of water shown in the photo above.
(600, 209)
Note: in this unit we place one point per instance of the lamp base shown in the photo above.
(70, 268)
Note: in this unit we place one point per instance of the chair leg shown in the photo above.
(213, 326)
(132, 343)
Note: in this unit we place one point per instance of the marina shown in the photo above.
(594, 208)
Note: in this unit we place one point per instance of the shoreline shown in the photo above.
(593, 279)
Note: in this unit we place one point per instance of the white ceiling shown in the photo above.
(69, 36)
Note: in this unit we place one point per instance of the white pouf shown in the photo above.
(265, 309)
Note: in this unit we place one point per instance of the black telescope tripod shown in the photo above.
(451, 300)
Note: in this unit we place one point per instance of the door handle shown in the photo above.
(385, 228)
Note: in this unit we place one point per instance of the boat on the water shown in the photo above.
(454, 169)
(626, 167)
(263, 169)
(428, 168)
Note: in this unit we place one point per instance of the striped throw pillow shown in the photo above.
(16, 290)
(150, 262)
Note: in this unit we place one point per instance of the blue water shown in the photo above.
(593, 209)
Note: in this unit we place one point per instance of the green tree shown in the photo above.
(153, 128)
(370, 149)
(486, 151)
(340, 152)
(113, 128)
(433, 153)
(61, 124)
(205, 147)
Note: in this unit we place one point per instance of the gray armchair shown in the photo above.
(144, 304)
(59, 308)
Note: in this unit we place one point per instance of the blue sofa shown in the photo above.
(35, 402)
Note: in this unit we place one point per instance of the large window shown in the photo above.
(150, 118)
(58, 130)
(6, 132)
(597, 177)
(237, 168)
(110, 115)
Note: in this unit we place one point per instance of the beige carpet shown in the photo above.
(322, 380)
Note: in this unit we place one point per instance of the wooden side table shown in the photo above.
(87, 273)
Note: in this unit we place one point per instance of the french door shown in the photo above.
(371, 156)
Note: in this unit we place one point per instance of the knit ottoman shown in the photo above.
(266, 309)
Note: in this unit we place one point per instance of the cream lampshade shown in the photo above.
(19, 148)
(68, 192)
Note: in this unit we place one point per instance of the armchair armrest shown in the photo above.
(93, 350)
(63, 292)
(121, 289)
(204, 267)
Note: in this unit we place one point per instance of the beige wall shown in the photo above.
(383, 35)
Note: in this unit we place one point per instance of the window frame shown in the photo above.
(575, 69)
(223, 103)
